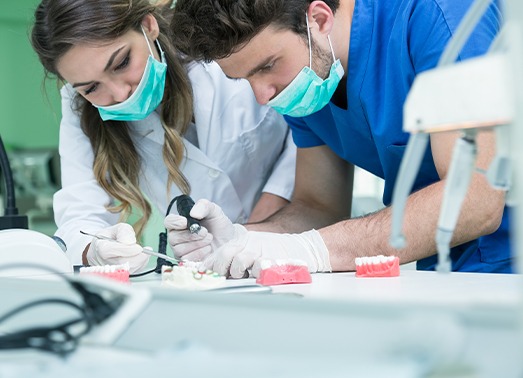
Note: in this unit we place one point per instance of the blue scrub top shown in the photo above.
(392, 41)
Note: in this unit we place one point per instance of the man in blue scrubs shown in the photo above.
(340, 71)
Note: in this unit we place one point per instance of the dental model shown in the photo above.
(114, 272)
(378, 266)
(187, 276)
(278, 272)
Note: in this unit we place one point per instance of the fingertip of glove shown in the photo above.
(256, 268)
(239, 266)
(211, 263)
(205, 209)
(176, 222)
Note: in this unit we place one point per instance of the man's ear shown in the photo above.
(150, 25)
(320, 17)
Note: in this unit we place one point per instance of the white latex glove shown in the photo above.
(247, 252)
(217, 229)
(107, 252)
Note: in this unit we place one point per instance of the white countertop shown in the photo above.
(410, 287)
(456, 319)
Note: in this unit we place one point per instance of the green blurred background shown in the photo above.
(30, 119)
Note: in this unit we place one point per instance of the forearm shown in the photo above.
(298, 217)
(322, 194)
(368, 236)
(267, 205)
(84, 255)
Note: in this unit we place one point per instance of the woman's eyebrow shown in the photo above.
(82, 84)
(111, 59)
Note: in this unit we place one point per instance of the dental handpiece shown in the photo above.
(184, 204)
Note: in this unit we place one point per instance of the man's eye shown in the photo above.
(268, 67)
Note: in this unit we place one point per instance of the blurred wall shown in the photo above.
(29, 115)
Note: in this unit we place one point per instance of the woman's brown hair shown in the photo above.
(62, 24)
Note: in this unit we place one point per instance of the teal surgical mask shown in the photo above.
(147, 96)
(308, 93)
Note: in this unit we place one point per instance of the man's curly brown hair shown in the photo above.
(214, 29)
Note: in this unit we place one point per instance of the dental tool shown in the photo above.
(456, 186)
(146, 250)
(184, 204)
(408, 171)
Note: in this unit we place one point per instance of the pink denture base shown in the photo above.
(384, 269)
(284, 274)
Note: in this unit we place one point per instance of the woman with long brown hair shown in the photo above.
(141, 126)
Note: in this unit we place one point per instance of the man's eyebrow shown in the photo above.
(260, 66)
(109, 63)
(255, 69)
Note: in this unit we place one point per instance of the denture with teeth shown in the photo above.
(378, 266)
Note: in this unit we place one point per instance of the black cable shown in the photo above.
(58, 339)
(27, 306)
(162, 248)
(143, 273)
(10, 205)
(11, 218)
(100, 309)
(162, 238)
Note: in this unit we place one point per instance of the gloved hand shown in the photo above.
(102, 252)
(252, 247)
(216, 230)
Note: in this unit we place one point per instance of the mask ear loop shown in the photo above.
(332, 50)
(148, 44)
(309, 40)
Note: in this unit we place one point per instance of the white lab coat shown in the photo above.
(235, 150)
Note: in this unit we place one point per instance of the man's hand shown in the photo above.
(123, 249)
(216, 230)
(247, 252)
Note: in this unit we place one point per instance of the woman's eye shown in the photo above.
(124, 63)
(91, 89)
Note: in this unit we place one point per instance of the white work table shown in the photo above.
(415, 287)
(469, 318)
(401, 326)
(410, 287)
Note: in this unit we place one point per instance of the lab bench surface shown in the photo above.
(411, 286)
(433, 321)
